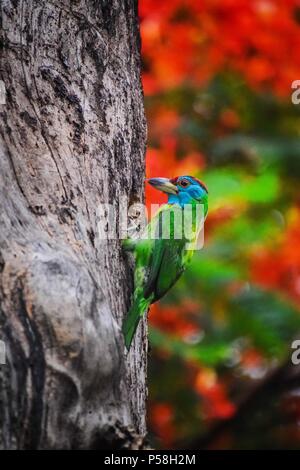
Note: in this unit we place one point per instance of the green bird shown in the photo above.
(167, 245)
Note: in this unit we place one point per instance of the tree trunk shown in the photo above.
(72, 138)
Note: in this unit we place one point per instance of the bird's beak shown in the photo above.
(163, 184)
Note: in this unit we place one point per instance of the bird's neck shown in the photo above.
(186, 199)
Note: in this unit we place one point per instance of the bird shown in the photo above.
(165, 249)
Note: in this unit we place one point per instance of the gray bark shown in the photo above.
(72, 137)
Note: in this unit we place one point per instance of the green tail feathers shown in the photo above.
(139, 307)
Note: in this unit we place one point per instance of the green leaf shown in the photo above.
(208, 354)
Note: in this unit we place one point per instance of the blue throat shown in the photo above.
(181, 200)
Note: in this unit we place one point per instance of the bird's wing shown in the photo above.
(166, 270)
(165, 263)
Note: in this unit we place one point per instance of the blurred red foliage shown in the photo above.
(187, 40)
(185, 43)
(177, 320)
(279, 267)
(216, 404)
(162, 420)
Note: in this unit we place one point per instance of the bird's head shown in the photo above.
(181, 189)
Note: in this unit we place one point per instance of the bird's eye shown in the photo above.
(184, 183)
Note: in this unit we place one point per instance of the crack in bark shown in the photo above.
(33, 106)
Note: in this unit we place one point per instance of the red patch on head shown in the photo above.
(174, 180)
(201, 183)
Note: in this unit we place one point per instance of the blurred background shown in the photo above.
(217, 78)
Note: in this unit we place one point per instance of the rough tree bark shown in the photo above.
(72, 137)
